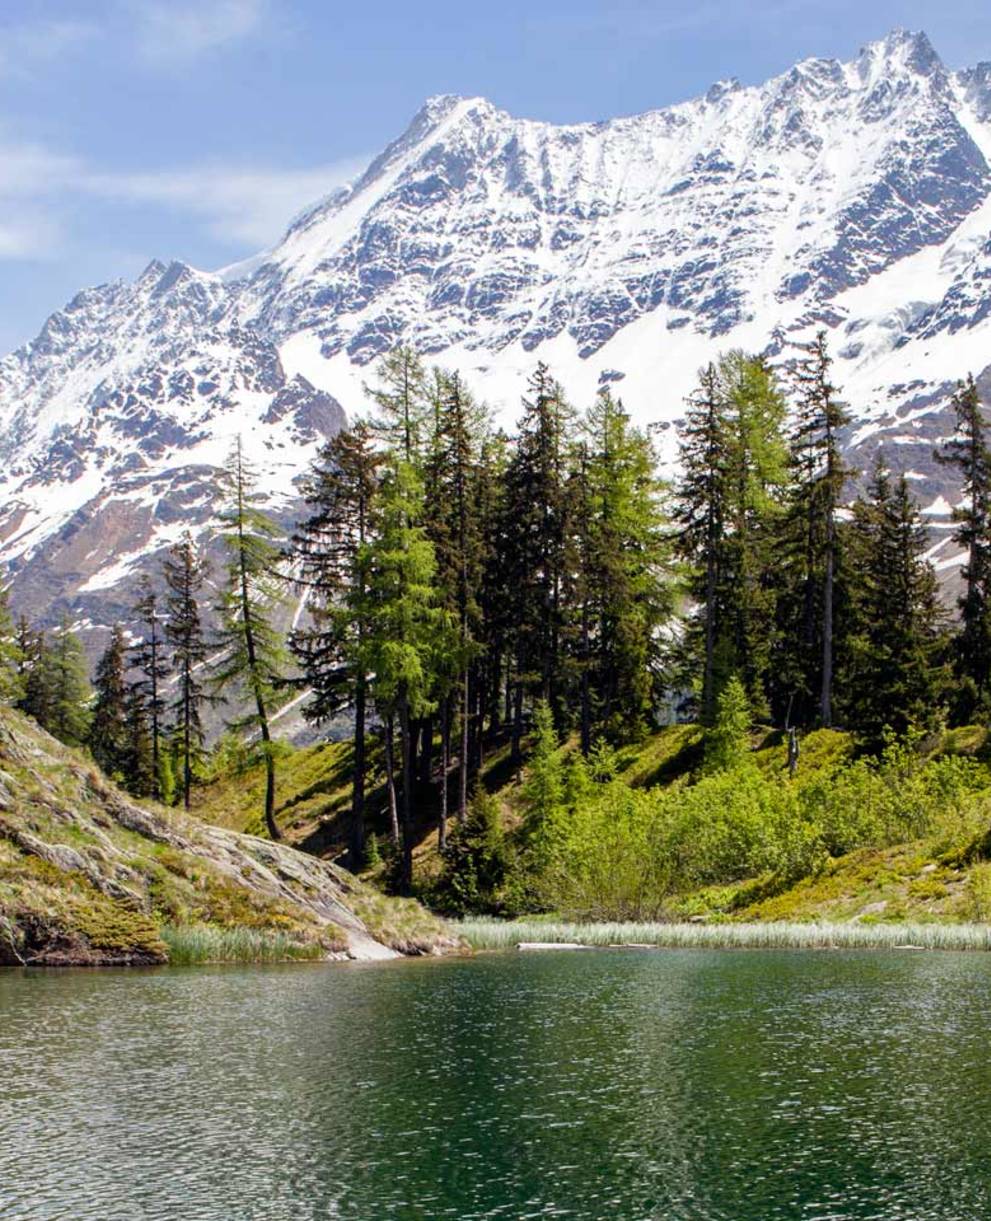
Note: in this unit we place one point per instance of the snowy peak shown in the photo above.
(852, 195)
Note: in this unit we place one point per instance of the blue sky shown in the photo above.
(194, 129)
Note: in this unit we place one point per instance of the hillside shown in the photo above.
(89, 877)
(854, 196)
(943, 875)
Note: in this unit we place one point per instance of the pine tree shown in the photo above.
(894, 675)
(148, 657)
(330, 551)
(537, 509)
(701, 513)
(252, 657)
(108, 729)
(970, 453)
(185, 574)
(140, 776)
(818, 478)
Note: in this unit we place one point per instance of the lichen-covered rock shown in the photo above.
(90, 877)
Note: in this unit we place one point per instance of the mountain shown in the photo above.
(855, 196)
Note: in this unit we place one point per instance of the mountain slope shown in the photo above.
(855, 196)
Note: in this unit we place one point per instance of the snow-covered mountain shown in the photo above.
(855, 196)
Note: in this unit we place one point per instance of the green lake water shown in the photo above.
(733, 1086)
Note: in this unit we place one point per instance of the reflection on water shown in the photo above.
(704, 1086)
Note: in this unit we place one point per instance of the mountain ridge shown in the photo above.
(854, 196)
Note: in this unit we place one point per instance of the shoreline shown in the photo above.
(484, 935)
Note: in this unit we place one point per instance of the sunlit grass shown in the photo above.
(196, 944)
(504, 935)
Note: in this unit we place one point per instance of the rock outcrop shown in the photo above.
(89, 876)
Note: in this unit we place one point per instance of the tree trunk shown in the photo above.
(356, 850)
(463, 762)
(445, 759)
(405, 745)
(586, 711)
(708, 678)
(826, 695)
(390, 781)
(517, 724)
(426, 749)
(270, 823)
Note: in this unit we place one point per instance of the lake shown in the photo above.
(738, 1086)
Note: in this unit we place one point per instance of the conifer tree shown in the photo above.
(455, 530)
(406, 627)
(701, 513)
(149, 659)
(252, 658)
(968, 450)
(624, 561)
(35, 673)
(727, 743)
(140, 774)
(756, 476)
(543, 789)
(108, 729)
(185, 574)
(897, 635)
(57, 690)
(402, 399)
(330, 550)
(818, 477)
(537, 508)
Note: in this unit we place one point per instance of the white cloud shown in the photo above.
(169, 31)
(244, 207)
(32, 236)
(239, 205)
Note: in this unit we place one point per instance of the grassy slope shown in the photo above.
(89, 876)
(904, 883)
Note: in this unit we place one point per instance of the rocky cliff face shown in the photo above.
(855, 196)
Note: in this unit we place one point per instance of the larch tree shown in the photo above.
(626, 558)
(406, 627)
(757, 466)
(252, 658)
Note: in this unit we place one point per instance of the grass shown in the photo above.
(197, 944)
(504, 935)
